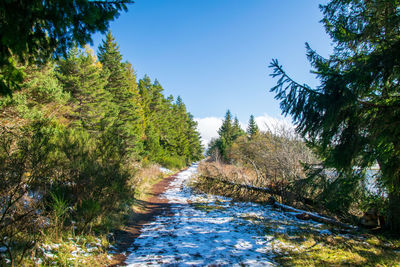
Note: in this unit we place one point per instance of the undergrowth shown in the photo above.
(65, 244)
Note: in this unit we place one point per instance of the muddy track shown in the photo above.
(149, 208)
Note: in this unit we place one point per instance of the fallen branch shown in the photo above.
(300, 214)
(305, 215)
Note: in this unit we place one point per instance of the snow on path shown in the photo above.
(210, 230)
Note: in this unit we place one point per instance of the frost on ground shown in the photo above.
(165, 170)
(211, 230)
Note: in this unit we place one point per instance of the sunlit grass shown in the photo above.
(312, 249)
(70, 250)
(207, 207)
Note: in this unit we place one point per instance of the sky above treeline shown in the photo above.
(215, 53)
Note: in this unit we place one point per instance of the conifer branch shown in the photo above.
(278, 71)
(113, 2)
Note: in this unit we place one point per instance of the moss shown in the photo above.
(207, 207)
(311, 249)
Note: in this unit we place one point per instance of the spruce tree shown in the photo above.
(124, 109)
(252, 128)
(81, 75)
(353, 116)
(152, 147)
(195, 146)
(226, 129)
(170, 135)
(237, 129)
(226, 137)
(36, 30)
(182, 127)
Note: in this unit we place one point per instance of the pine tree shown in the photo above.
(195, 146)
(36, 30)
(353, 116)
(81, 75)
(237, 129)
(152, 147)
(170, 135)
(226, 130)
(124, 111)
(182, 126)
(252, 128)
(227, 133)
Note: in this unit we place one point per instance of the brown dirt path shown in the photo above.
(149, 208)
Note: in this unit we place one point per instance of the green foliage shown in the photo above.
(26, 168)
(124, 108)
(44, 86)
(342, 192)
(11, 75)
(35, 30)
(229, 131)
(352, 118)
(170, 131)
(59, 207)
(172, 162)
(72, 139)
(83, 78)
(252, 129)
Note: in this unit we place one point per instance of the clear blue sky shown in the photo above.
(215, 53)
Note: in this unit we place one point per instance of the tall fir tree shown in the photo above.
(228, 131)
(81, 75)
(353, 117)
(194, 138)
(252, 128)
(126, 111)
(151, 137)
(181, 124)
(237, 129)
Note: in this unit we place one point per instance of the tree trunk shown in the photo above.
(392, 173)
(394, 212)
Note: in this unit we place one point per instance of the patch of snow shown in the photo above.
(325, 232)
(223, 233)
(165, 170)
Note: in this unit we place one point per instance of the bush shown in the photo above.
(172, 162)
(25, 174)
(52, 176)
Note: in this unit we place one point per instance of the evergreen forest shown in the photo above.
(99, 166)
(75, 131)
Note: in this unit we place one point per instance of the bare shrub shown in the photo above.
(144, 178)
(277, 156)
(227, 172)
(24, 177)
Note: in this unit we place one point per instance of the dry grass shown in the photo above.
(215, 187)
(232, 173)
(144, 179)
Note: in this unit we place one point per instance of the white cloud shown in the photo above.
(267, 122)
(208, 127)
